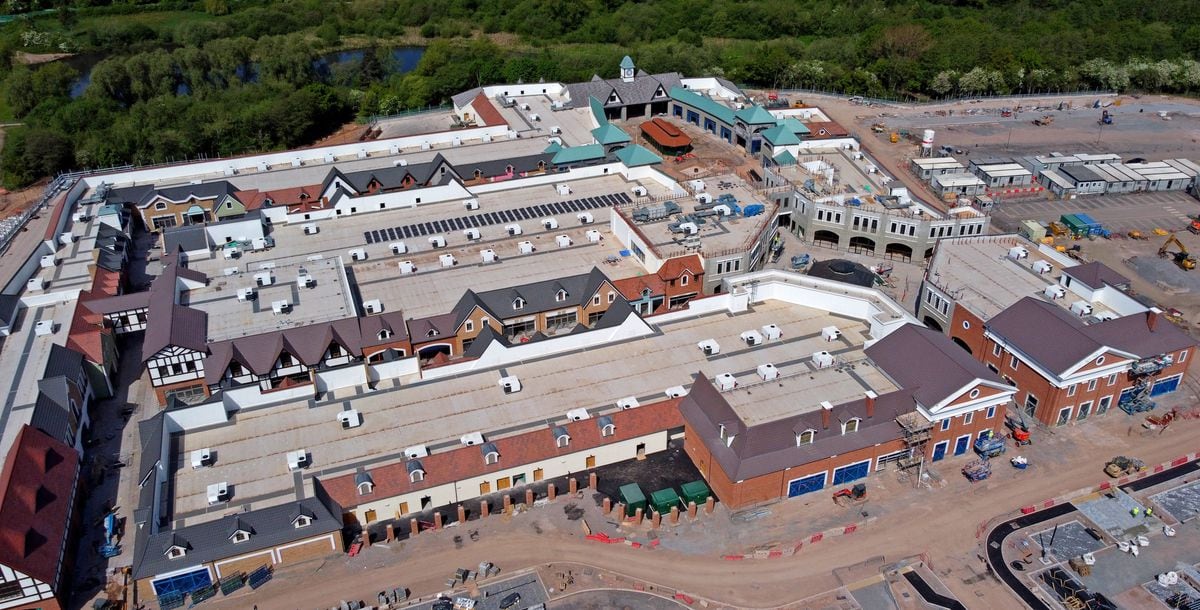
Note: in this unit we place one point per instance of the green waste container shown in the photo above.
(663, 500)
(696, 491)
(633, 499)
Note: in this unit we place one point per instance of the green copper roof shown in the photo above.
(575, 154)
(627, 63)
(634, 155)
(795, 126)
(703, 103)
(597, 111)
(610, 134)
(785, 158)
(755, 115)
(780, 136)
(552, 148)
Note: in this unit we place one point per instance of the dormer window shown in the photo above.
(562, 441)
(612, 297)
(431, 332)
(176, 552)
(478, 174)
(608, 430)
(240, 536)
(806, 438)
(491, 454)
(518, 303)
(560, 296)
(851, 426)
(384, 335)
(364, 483)
(416, 476)
(302, 521)
(365, 488)
(508, 169)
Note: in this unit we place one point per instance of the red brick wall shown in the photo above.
(958, 426)
(972, 336)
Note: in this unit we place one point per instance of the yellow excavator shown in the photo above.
(1185, 261)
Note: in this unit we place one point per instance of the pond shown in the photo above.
(404, 59)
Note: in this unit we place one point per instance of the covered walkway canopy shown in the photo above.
(667, 138)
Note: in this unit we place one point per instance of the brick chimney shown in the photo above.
(870, 402)
(826, 414)
(1152, 318)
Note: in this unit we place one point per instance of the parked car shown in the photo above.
(510, 601)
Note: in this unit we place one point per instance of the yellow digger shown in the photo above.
(1185, 261)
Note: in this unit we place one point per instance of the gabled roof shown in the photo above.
(63, 361)
(176, 194)
(636, 155)
(210, 541)
(703, 103)
(486, 112)
(37, 487)
(52, 409)
(308, 344)
(927, 365)
(794, 125)
(755, 115)
(186, 238)
(1096, 275)
(785, 158)
(820, 130)
(575, 154)
(539, 297)
(169, 323)
(610, 134)
(641, 90)
(780, 136)
(674, 267)
(495, 168)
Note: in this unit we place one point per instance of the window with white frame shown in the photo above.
(612, 297)
(945, 424)
(684, 279)
(1092, 384)
(608, 430)
(991, 412)
(384, 334)
(469, 326)
(806, 437)
(518, 303)
(240, 536)
(851, 426)
(1183, 356)
(996, 349)
(560, 296)
(491, 457)
(416, 476)
(1112, 379)
(1012, 362)
(968, 418)
(302, 521)
(596, 301)
(1071, 389)
(562, 440)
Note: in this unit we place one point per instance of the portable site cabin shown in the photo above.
(1094, 226)
(1080, 225)
(1032, 230)
(633, 499)
(663, 500)
(696, 491)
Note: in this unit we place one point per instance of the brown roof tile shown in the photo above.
(37, 487)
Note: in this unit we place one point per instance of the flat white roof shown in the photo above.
(1100, 157)
(1059, 181)
(958, 180)
(1005, 169)
(936, 162)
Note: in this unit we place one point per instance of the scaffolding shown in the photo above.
(1145, 372)
(917, 432)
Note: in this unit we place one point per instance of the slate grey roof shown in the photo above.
(558, 432)
(8, 308)
(842, 270)
(363, 476)
(188, 238)
(640, 91)
(210, 541)
(169, 323)
(465, 97)
(771, 447)
(150, 438)
(413, 465)
(927, 364)
(487, 448)
(258, 353)
(63, 361)
(538, 297)
(205, 190)
(498, 167)
(393, 177)
(1079, 173)
(51, 411)
(1096, 275)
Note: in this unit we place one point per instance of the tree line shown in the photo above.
(182, 78)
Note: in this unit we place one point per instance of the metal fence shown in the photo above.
(376, 118)
(959, 97)
(10, 227)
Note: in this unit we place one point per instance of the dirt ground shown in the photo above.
(944, 521)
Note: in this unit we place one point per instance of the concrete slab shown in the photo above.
(1070, 540)
(1183, 502)
(1113, 515)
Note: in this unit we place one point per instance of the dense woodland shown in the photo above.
(178, 79)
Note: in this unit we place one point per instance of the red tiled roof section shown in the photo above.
(822, 130)
(36, 490)
(485, 112)
(631, 287)
(674, 267)
(665, 134)
(526, 448)
(252, 199)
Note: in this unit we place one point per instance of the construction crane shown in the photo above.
(1185, 261)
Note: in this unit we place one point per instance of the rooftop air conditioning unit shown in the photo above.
(563, 189)
(362, 153)
(563, 241)
(262, 166)
(830, 333)
(349, 419)
(399, 248)
(639, 191)
(267, 265)
(725, 382)
(822, 359)
(704, 198)
(395, 150)
(593, 236)
(329, 158)
(400, 163)
(297, 459)
(550, 223)
(767, 372)
(1054, 291)
(513, 229)
(35, 283)
(448, 260)
(772, 332)
(373, 306)
(437, 241)
(230, 271)
(407, 267)
(525, 247)
(471, 204)
(676, 391)
(416, 452)
(265, 278)
(556, 130)
(48, 261)
(510, 384)
(246, 294)
(586, 218)
(1042, 267)
(425, 145)
(281, 307)
(311, 229)
(315, 257)
(629, 402)
(305, 280)
(1081, 308)
(578, 415)
(201, 458)
(722, 210)
(472, 234)
(218, 493)
(358, 254)
(710, 347)
(1018, 253)
(471, 439)
(752, 338)
(296, 162)
(43, 328)
(488, 255)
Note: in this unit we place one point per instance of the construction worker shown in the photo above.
(1149, 512)
(1135, 511)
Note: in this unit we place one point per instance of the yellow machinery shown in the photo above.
(1185, 261)
(894, 138)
